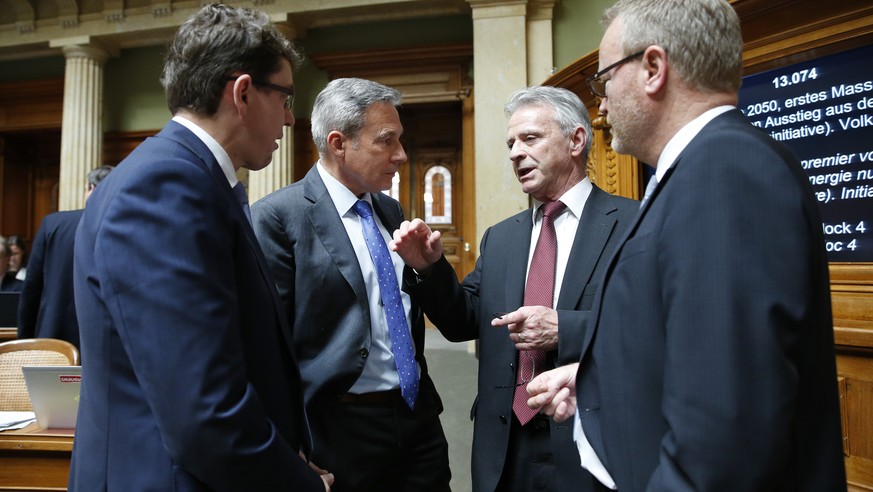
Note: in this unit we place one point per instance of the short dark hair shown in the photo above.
(213, 44)
(95, 176)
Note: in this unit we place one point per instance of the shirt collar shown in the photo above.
(574, 198)
(343, 198)
(683, 137)
(217, 150)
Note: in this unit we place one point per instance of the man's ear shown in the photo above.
(241, 89)
(336, 143)
(656, 65)
(578, 139)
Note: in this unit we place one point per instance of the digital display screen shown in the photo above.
(823, 110)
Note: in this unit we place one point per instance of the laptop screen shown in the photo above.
(54, 394)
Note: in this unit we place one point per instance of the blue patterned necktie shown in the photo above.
(239, 190)
(389, 290)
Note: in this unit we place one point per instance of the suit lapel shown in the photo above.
(328, 226)
(595, 227)
(517, 253)
(185, 137)
(629, 232)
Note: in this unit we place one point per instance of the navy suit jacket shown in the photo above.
(189, 382)
(47, 308)
(323, 290)
(711, 362)
(464, 312)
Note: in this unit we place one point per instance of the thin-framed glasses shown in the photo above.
(288, 91)
(597, 82)
(524, 378)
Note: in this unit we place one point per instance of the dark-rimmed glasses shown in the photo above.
(288, 91)
(597, 82)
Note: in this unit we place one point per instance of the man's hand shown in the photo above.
(417, 244)
(530, 327)
(555, 392)
(325, 475)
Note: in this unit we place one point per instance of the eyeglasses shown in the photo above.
(597, 82)
(524, 378)
(288, 91)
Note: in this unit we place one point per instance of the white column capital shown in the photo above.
(541, 9)
(84, 47)
(487, 9)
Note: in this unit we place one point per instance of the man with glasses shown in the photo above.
(189, 381)
(708, 359)
(536, 272)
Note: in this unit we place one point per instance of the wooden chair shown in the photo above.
(29, 352)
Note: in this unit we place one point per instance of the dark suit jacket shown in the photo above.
(464, 312)
(47, 309)
(712, 363)
(8, 283)
(189, 382)
(322, 288)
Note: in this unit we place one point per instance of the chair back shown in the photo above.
(29, 352)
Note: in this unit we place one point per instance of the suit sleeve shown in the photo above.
(31, 292)
(452, 306)
(166, 258)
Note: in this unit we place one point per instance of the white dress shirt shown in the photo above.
(380, 373)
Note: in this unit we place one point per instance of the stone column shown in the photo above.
(82, 122)
(540, 59)
(280, 172)
(499, 69)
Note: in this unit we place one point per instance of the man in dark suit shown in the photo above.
(708, 363)
(46, 308)
(549, 137)
(189, 381)
(8, 282)
(371, 429)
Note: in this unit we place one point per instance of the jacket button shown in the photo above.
(503, 419)
(365, 353)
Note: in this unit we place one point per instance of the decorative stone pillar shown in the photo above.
(499, 69)
(540, 59)
(82, 122)
(280, 172)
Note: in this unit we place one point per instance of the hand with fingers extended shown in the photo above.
(418, 245)
(555, 392)
(530, 327)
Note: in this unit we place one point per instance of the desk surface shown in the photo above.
(35, 459)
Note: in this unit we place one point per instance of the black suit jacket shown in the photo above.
(47, 308)
(322, 288)
(711, 366)
(464, 312)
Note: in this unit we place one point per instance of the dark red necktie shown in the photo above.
(539, 291)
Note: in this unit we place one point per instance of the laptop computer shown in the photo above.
(54, 394)
(9, 309)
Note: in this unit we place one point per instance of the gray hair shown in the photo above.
(213, 44)
(341, 107)
(702, 38)
(568, 110)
